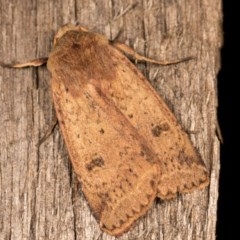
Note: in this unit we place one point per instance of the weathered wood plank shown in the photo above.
(40, 196)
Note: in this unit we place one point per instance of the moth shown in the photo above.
(125, 145)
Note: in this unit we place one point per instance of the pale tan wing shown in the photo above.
(111, 162)
(116, 128)
(181, 166)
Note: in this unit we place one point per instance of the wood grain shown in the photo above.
(40, 196)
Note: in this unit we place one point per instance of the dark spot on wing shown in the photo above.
(158, 129)
(95, 162)
(102, 131)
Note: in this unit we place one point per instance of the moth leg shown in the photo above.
(49, 131)
(219, 132)
(115, 39)
(32, 63)
(129, 51)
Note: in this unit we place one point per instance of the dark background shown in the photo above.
(227, 214)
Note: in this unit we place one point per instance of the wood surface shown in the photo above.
(40, 197)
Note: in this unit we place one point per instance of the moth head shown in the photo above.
(66, 28)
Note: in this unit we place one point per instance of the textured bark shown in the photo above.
(40, 197)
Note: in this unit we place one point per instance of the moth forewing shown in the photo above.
(118, 171)
(125, 145)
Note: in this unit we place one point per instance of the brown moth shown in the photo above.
(125, 145)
